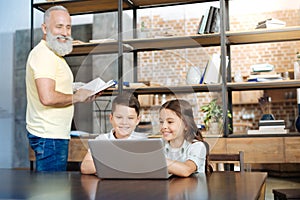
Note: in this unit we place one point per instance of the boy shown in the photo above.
(125, 116)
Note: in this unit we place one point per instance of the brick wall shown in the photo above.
(170, 67)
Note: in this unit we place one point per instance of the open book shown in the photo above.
(97, 85)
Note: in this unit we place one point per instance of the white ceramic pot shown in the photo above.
(193, 76)
(214, 128)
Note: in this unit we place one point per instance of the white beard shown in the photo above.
(60, 48)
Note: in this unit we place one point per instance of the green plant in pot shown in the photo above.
(214, 115)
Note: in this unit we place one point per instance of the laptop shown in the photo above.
(129, 159)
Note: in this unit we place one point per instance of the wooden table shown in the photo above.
(25, 184)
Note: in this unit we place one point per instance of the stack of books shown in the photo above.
(270, 127)
(262, 73)
(270, 23)
(210, 21)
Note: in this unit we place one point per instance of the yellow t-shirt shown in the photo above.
(46, 121)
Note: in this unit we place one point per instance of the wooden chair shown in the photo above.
(227, 159)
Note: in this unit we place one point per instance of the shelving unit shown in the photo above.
(224, 39)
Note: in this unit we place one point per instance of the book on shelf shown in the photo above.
(203, 22)
(213, 73)
(263, 67)
(259, 132)
(273, 130)
(264, 77)
(200, 22)
(270, 76)
(272, 126)
(203, 74)
(270, 23)
(97, 85)
(263, 73)
(210, 21)
(215, 25)
(278, 122)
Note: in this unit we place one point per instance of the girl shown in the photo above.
(185, 151)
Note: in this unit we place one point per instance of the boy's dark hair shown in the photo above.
(126, 99)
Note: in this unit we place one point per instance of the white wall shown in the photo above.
(15, 14)
(6, 100)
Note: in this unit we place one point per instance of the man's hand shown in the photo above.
(83, 95)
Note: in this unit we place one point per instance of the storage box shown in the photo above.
(243, 97)
(146, 100)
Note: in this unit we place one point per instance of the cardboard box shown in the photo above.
(146, 100)
(243, 97)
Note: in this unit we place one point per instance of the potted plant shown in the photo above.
(214, 114)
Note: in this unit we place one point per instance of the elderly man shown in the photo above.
(50, 95)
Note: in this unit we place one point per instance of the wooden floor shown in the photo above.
(276, 183)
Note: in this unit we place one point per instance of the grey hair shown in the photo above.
(47, 13)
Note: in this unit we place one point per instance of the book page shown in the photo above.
(97, 85)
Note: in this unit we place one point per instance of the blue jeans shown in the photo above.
(50, 154)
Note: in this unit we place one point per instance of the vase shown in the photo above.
(193, 75)
(267, 117)
(214, 128)
(265, 103)
(297, 69)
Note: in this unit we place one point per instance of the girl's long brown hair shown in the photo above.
(184, 111)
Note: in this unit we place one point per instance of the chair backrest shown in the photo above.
(208, 167)
(227, 158)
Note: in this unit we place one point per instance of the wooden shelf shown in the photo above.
(193, 41)
(148, 44)
(178, 42)
(97, 48)
(167, 90)
(209, 87)
(263, 85)
(264, 35)
(77, 7)
(176, 89)
(147, 3)
(273, 101)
